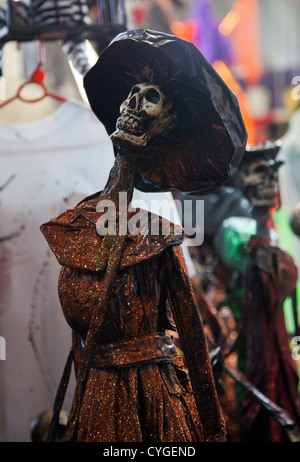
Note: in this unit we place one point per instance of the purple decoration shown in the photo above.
(207, 37)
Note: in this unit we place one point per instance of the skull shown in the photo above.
(260, 181)
(144, 114)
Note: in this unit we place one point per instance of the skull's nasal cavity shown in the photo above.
(132, 103)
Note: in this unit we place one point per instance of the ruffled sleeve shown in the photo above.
(192, 339)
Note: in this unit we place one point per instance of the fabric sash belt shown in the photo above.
(153, 348)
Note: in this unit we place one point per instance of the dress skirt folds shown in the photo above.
(135, 404)
(136, 389)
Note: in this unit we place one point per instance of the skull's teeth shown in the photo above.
(130, 124)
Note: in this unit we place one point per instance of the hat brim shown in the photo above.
(216, 137)
(267, 150)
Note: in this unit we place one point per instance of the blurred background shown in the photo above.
(253, 44)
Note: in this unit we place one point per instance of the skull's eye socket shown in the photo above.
(262, 169)
(134, 90)
(152, 96)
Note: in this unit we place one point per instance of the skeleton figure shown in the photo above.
(270, 277)
(258, 180)
(122, 293)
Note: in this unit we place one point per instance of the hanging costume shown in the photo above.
(120, 292)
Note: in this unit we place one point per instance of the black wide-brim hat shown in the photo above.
(214, 139)
(266, 150)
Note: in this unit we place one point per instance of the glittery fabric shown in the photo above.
(135, 351)
(74, 240)
(271, 275)
(119, 295)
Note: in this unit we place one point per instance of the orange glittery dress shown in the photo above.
(119, 291)
(136, 388)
